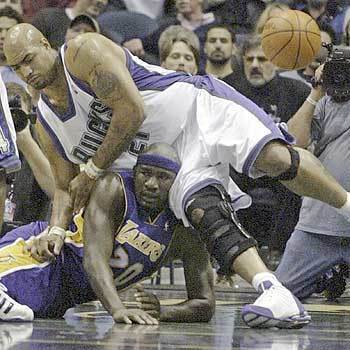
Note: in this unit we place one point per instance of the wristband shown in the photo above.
(58, 231)
(92, 171)
(311, 101)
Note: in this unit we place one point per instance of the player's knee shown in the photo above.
(278, 161)
(196, 216)
(218, 225)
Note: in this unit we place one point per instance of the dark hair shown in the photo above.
(11, 13)
(250, 42)
(222, 26)
(327, 28)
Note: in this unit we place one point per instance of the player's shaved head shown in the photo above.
(30, 55)
(19, 39)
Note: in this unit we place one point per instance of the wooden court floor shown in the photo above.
(89, 327)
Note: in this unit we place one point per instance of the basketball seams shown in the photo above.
(299, 41)
(291, 42)
(307, 36)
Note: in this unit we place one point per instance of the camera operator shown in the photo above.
(321, 238)
(31, 202)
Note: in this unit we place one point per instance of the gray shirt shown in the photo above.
(330, 132)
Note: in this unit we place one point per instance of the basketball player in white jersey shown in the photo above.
(9, 159)
(100, 105)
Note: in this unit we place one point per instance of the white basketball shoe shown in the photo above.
(10, 310)
(275, 307)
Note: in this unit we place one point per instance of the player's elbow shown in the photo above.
(206, 310)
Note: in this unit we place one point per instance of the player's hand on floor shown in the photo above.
(79, 189)
(130, 316)
(148, 301)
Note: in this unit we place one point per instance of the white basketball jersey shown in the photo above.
(79, 132)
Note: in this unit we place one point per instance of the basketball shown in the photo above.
(291, 40)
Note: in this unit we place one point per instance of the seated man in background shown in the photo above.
(128, 229)
(82, 24)
(179, 50)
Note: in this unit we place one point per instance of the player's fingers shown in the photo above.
(149, 319)
(58, 246)
(137, 319)
(145, 300)
(127, 320)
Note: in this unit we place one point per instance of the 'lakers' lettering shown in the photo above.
(130, 234)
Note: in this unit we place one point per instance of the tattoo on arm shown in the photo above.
(104, 84)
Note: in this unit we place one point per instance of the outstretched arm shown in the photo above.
(200, 305)
(101, 220)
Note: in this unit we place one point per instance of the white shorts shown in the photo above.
(218, 133)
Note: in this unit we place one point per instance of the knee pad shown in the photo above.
(211, 213)
(292, 172)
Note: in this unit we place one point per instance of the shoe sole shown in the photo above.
(255, 320)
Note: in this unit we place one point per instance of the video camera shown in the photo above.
(336, 73)
(20, 118)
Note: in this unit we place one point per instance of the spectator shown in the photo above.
(220, 49)
(82, 24)
(14, 4)
(271, 10)
(150, 8)
(32, 202)
(179, 50)
(30, 7)
(321, 237)
(53, 22)
(189, 14)
(8, 18)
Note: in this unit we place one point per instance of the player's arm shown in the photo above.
(63, 172)
(102, 64)
(200, 305)
(101, 220)
(300, 124)
(47, 246)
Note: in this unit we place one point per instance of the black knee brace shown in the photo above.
(292, 172)
(218, 225)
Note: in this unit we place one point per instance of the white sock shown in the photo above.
(345, 209)
(261, 277)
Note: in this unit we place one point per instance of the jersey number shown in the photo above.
(120, 260)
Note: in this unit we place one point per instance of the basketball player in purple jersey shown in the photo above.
(129, 232)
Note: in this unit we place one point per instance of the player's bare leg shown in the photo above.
(312, 178)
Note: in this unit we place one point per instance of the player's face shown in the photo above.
(77, 29)
(181, 58)
(257, 68)
(5, 24)
(33, 64)
(96, 7)
(218, 46)
(152, 185)
(15, 4)
(186, 7)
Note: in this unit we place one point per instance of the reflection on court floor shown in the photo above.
(88, 327)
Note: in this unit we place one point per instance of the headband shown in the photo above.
(158, 161)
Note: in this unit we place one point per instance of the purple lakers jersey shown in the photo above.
(140, 243)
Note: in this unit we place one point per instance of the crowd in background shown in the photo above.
(218, 37)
